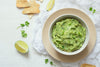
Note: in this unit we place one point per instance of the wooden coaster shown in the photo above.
(53, 52)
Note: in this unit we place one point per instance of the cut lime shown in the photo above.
(21, 46)
(50, 5)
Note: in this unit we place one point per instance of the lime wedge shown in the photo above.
(21, 46)
(50, 5)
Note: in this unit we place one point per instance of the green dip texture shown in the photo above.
(68, 35)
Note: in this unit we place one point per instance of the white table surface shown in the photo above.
(10, 18)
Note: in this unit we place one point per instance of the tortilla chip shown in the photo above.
(87, 65)
(41, 1)
(33, 2)
(31, 10)
(34, 8)
(22, 3)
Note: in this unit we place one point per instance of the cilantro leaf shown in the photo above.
(62, 47)
(22, 25)
(23, 33)
(90, 8)
(94, 11)
(51, 63)
(27, 23)
(46, 61)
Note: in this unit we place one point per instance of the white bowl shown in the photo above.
(83, 24)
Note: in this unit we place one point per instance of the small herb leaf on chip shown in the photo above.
(46, 61)
(27, 23)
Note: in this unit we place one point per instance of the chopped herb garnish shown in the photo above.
(94, 11)
(63, 47)
(46, 61)
(22, 25)
(51, 63)
(23, 33)
(90, 8)
(27, 23)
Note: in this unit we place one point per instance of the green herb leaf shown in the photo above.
(22, 25)
(62, 47)
(51, 63)
(46, 61)
(94, 11)
(90, 8)
(23, 33)
(27, 23)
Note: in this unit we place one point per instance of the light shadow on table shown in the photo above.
(25, 55)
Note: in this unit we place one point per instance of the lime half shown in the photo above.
(21, 46)
(50, 5)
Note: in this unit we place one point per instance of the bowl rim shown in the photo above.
(69, 53)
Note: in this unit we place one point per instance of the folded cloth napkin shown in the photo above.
(84, 5)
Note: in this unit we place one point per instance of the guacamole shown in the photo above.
(68, 35)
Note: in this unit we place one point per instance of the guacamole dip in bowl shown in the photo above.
(69, 34)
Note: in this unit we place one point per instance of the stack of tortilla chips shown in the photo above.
(87, 65)
(30, 7)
